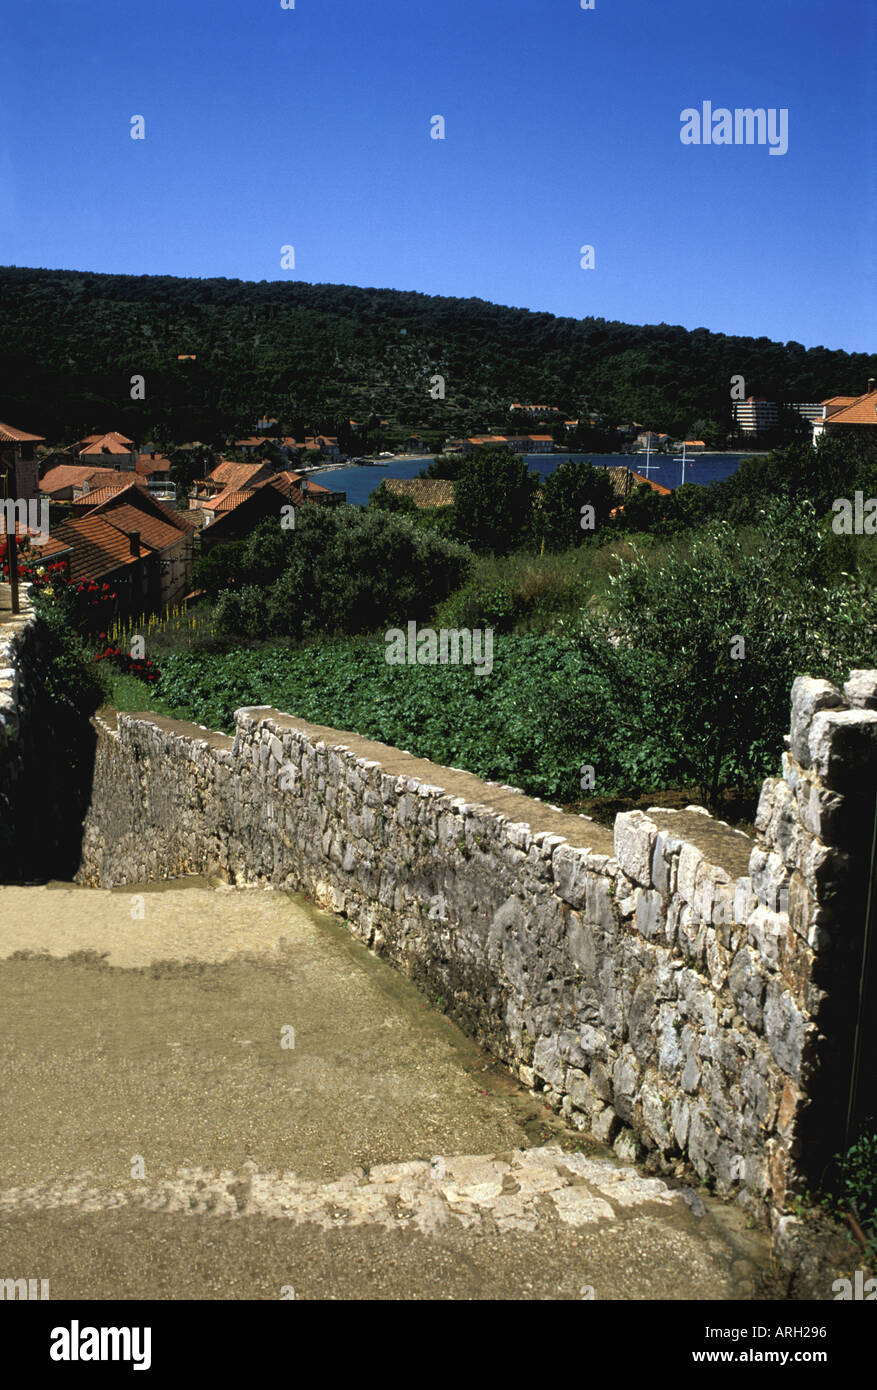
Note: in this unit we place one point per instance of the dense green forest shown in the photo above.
(316, 355)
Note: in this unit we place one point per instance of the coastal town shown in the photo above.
(118, 513)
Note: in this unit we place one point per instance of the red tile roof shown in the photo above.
(10, 435)
(107, 444)
(65, 475)
(158, 535)
(87, 501)
(656, 487)
(861, 411)
(135, 497)
(110, 434)
(236, 475)
(837, 403)
(96, 548)
(227, 501)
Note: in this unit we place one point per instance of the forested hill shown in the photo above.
(315, 355)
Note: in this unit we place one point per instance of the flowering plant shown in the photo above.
(53, 582)
(126, 663)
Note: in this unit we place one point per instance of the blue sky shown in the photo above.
(268, 127)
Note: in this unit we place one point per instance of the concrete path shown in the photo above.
(220, 1093)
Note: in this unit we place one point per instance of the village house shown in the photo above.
(652, 440)
(155, 469)
(126, 538)
(541, 412)
(66, 482)
(234, 513)
(252, 444)
(92, 549)
(518, 443)
(111, 450)
(848, 416)
(18, 460)
(228, 476)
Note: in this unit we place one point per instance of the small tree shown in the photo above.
(493, 502)
(572, 487)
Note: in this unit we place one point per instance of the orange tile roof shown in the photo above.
(837, 402)
(97, 496)
(136, 497)
(110, 434)
(146, 464)
(227, 501)
(96, 547)
(106, 445)
(75, 474)
(861, 411)
(656, 487)
(157, 535)
(235, 475)
(10, 435)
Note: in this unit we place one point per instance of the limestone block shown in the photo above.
(809, 696)
(625, 1082)
(746, 983)
(787, 1030)
(770, 877)
(569, 869)
(656, 1112)
(582, 1093)
(605, 1125)
(547, 1062)
(635, 838)
(664, 859)
(767, 933)
(690, 860)
(649, 912)
(861, 690)
(843, 749)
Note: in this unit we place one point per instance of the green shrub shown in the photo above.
(343, 570)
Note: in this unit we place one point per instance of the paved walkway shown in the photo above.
(160, 1140)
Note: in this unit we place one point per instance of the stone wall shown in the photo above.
(18, 663)
(46, 748)
(678, 990)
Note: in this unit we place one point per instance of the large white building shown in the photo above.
(754, 415)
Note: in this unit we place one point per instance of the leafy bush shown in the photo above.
(493, 500)
(722, 707)
(341, 571)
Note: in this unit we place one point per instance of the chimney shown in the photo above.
(134, 538)
(870, 384)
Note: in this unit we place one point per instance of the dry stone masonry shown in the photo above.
(19, 646)
(678, 990)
